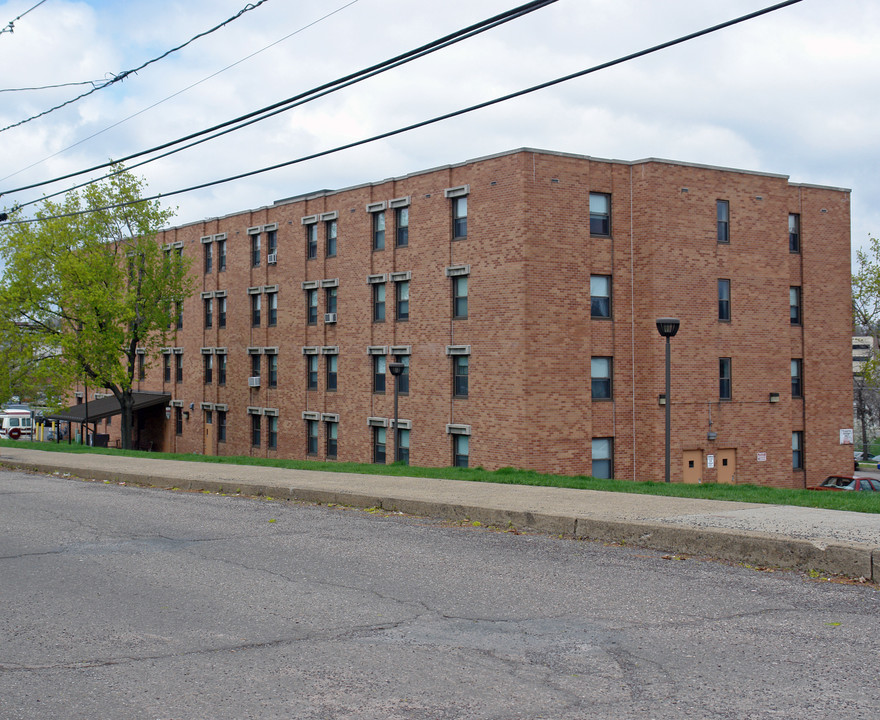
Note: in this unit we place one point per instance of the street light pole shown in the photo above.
(667, 327)
(396, 369)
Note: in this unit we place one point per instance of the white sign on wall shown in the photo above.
(846, 437)
(710, 461)
(762, 457)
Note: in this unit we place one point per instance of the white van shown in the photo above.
(16, 424)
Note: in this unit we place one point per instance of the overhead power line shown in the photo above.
(183, 90)
(440, 118)
(123, 75)
(297, 100)
(10, 26)
(93, 83)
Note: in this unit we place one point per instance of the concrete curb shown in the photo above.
(750, 548)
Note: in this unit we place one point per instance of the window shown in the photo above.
(459, 218)
(272, 362)
(256, 427)
(221, 369)
(401, 290)
(332, 371)
(178, 306)
(600, 296)
(271, 242)
(379, 230)
(221, 255)
(209, 258)
(221, 426)
(379, 373)
(209, 312)
(221, 312)
(600, 214)
(166, 368)
(312, 307)
(401, 222)
(722, 210)
(178, 420)
(600, 378)
(178, 366)
(272, 303)
(797, 378)
(460, 450)
(312, 435)
(332, 439)
(794, 302)
(142, 367)
(331, 300)
(272, 430)
(379, 302)
(724, 300)
(255, 250)
(255, 366)
(379, 445)
(794, 233)
(401, 446)
(209, 369)
(209, 417)
(460, 297)
(603, 454)
(311, 372)
(460, 375)
(724, 390)
(403, 378)
(330, 233)
(312, 241)
(256, 303)
(797, 450)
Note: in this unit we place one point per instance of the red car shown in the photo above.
(849, 482)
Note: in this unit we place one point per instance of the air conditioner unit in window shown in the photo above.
(329, 317)
(272, 259)
(254, 381)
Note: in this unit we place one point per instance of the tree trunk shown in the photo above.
(126, 404)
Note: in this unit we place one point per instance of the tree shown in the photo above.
(86, 286)
(866, 320)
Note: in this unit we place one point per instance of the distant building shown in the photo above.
(520, 291)
(862, 351)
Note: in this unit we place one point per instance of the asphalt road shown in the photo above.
(120, 602)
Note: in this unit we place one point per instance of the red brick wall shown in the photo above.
(531, 256)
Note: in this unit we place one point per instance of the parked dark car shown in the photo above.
(849, 482)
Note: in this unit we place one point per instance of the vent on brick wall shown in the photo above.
(254, 381)
(272, 258)
(329, 317)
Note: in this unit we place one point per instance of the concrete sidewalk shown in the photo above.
(830, 541)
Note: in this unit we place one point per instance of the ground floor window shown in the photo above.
(272, 429)
(460, 450)
(402, 446)
(221, 426)
(797, 450)
(332, 438)
(256, 427)
(603, 453)
(312, 432)
(379, 436)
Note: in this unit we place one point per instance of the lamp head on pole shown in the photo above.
(396, 368)
(667, 327)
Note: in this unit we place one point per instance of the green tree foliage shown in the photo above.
(86, 286)
(866, 321)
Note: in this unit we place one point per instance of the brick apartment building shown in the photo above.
(521, 291)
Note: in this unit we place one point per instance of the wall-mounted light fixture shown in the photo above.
(774, 397)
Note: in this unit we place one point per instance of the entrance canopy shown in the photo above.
(107, 407)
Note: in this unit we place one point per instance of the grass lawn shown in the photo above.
(858, 502)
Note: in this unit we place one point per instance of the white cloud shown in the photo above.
(790, 92)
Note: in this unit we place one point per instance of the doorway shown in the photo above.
(209, 432)
(692, 466)
(726, 466)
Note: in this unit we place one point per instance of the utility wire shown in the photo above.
(93, 83)
(436, 119)
(307, 96)
(10, 27)
(182, 90)
(123, 75)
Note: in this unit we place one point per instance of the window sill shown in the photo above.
(603, 399)
(606, 318)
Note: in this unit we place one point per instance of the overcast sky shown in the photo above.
(795, 92)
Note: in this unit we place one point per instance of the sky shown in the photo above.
(795, 92)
